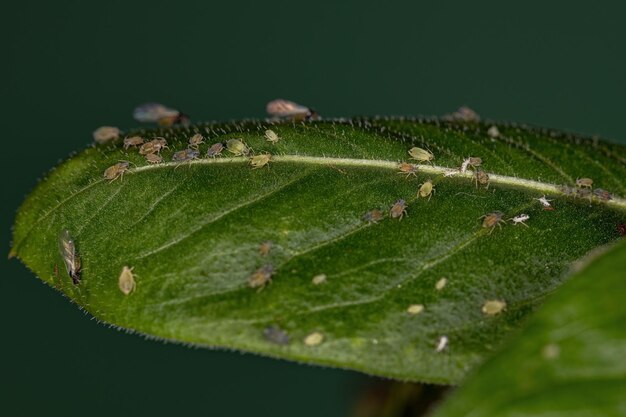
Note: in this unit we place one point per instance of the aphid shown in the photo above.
(116, 171)
(426, 189)
(520, 219)
(185, 155)
(154, 158)
(621, 229)
(545, 203)
(421, 155)
(285, 109)
(415, 309)
(472, 161)
(215, 150)
(154, 146)
(373, 216)
(67, 247)
(158, 113)
(493, 132)
(261, 277)
(463, 114)
(551, 351)
(106, 134)
(482, 178)
(319, 279)
(314, 339)
(398, 210)
(584, 193)
(492, 220)
(133, 141)
(195, 141)
(440, 285)
(259, 161)
(442, 344)
(408, 169)
(126, 280)
(271, 137)
(602, 194)
(265, 247)
(584, 182)
(493, 307)
(237, 147)
(276, 335)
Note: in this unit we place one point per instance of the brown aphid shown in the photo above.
(602, 194)
(116, 171)
(421, 155)
(259, 161)
(408, 169)
(276, 335)
(185, 155)
(195, 141)
(426, 189)
(481, 178)
(133, 141)
(106, 134)
(271, 137)
(584, 182)
(215, 150)
(265, 247)
(584, 193)
(472, 161)
(373, 216)
(154, 146)
(126, 281)
(261, 277)
(492, 220)
(154, 158)
(398, 210)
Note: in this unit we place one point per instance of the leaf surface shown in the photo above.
(568, 361)
(192, 232)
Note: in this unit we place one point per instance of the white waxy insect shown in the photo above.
(106, 134)
(545, 203)
(314, 339)
(286, 109)
(237, 147)
(421, 155)
(472, 161)
(442, 344)
(67, 248)
(133, 141)
(520, 219)
(493, 307)
(441, 284)
(319, 279)
(493, 132)
(126, 281)
(259, 161)
(415, 309)
(195, 141)
(158, 113)
(271, 137)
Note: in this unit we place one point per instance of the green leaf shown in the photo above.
(192, 233)
(568, 360)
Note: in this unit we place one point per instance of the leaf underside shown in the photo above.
(192, 233)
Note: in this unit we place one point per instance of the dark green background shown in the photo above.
(70, 66)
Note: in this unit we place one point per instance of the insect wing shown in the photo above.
(154, 112)
(286, 108)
